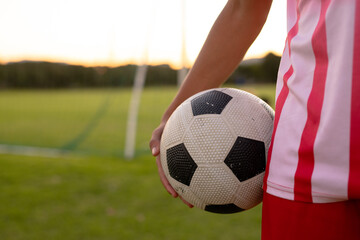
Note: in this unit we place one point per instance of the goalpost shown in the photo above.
(183, 71)
(139, 82)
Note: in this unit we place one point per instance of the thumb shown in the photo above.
(155, 141)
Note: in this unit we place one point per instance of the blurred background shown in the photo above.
(82, 86)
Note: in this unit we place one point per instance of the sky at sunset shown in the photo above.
(116, 32)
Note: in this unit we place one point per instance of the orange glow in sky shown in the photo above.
(116, 32)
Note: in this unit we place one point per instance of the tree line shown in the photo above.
(30, 74)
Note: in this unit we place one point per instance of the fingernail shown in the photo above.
(153, 150)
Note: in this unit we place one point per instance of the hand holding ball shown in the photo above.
(214, 148)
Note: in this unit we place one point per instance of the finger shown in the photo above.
(155, 141)
(155, 150)
(155, 146)
(164, 180)
(186, 202)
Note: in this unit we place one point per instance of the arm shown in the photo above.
(233, 32)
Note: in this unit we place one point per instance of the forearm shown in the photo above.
(230, 37)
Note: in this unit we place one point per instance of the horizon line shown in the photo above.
(114, 63)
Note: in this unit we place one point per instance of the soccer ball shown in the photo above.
(214, 148)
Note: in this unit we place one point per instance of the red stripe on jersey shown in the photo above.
(283, 94)
(305, 168)
(279, 106)
(354, 174)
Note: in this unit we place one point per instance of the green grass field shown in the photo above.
(93, 193)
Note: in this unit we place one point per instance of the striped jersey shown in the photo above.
(314, 155)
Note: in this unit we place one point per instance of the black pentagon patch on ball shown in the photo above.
(181, 166)
(212, 102)
(225, 208)
(247, 158)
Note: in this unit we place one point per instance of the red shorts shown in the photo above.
(286, 219)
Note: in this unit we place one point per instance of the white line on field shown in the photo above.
(31, 151)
